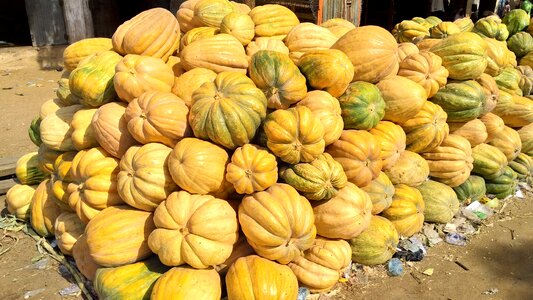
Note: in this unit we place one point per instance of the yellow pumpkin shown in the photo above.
(406, 49)
(474, 131)
(196, 34)
(380, 191)
(408, 31)
(494, 125)
(392, 140)
(55, 129)
(61, 178)
(377, 244)
(83, 259)
(266, 43)
(18, 200)
(183, 283)
(185, 16)
(43, 210)
(306, 37)
(328, 110)
(49, 107)
(508, 141)
(443, 30)
(406, 211)
(404, 98)
(111, 129)
(425, 68)
(212, 12)
(47, 158)
(240, 26)
(174, 62)
(76, 52)
(427, 129)
(338, 26)
(410, 169)
(67, 229)
(188, 82)
(492, 92)
(83, 136)
(273, 20)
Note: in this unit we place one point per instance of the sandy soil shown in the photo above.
(495, 259)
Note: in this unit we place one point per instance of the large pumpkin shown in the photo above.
(490, 28)
(440, 200)
(83, 259)
(344, 216)
(406, 211)
(377, 244)
(182, 283)
(373, 52)
(18, 200)
(362, 106)
(55, 129)
(240, 26)
(489, 161)
(327, 109)
(359, 153)
(515, 111)
(474, 131)
(188, 82)
(504, 185)
(273, 20)
(392, 139)
(197, 166)
(83, 136)
(410, 169)
(211, 13)
(67, 230)
(227, 111)
(404, 98)
(111, 129)
(380, 191)
(198, 230)
(516, 20)
(252, 169)
(268, 220)
(424, 68)
(526, 136)
(494, 125)
(154, 32)
(473, 189)
(76, 52)
(427, 129)
(520, 43)
(462, 101)
(508, 141)
(43, 210)
(306, 37)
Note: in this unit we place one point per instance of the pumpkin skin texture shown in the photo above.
(362, 106)
(294, 135)
(504, 185)
(50, 106)
(521, 43)
(196, 34)
(462, 101)
(474, 131)
(377, 244)
(359, 153)
(516, 20)
(427, 43)
(492, 92)
(424, 68)
(508, 81)
(526, 136)
(406, 211)
(129, 281)
(55, 129)
(443, 30)
(464, 24)
(240, 26)
(83, 136)
(392, 140)
(84, 262)
(380, 191)
(373, 52)
(407, 31)
(188, 82)
(61, 178)
(185, 16)
(212, 12)
(157, 117)
(111, 129)
(94, 183)
(154, 32)
(522, 165)
(320, 179)
(63, 91)
(92, 80)
(174, 62)
(278, 223)
(252, 169)
(410, 169)
(266, 43)
(43, 210)
(27, 169)
(326, 257)
(463, 54)
(494, 125)
(515, 111)
(526, 80)
(144, 180)
(330, 70)
(490, 28)
(227, 111)
(273, 20)
(328, 110)
(473, 189)
(67, 229)
(47, 158)
(406, 49)
(451, 162)
(18, 200)
(253, 277)
(219, 53)
(240, 249)
(197, 166)
(79, 50)
(183, 283)
(344, 216)
(489, 161)
(497, 56)
(441, 203)
(404, 98)
(338, 26)
(508, 141)
(278, 77)
(199, 230)
(136, 74)
(34, 131)
(306, 37)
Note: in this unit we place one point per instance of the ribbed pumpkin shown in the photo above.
(266, 43)
(522, 165)
(157, 117)
(82, 257)
(494, 125)
(427, 129)
(18, 200)
(527, 60)
(526, 80)
(490, 28)
(253, 277)
(504, 185)
(474, 131)
(111, 129)
(359, 153)
(508, 141)
(526, 136)
(406, 211)
(188, 82)
(338, 26)
(27, 169)
(508, 81)
(392, 139)
(183, 283)
(427, 43)
(144, 180)
(79, 50)
(43, 210)
(492, 92)
(463, 54)
(198, 230)
(154, 32)
(212, 12)
(443, 30)
(433, 20)
(497, 56)
(320, 179)
(373, 52)
(47, 158)
(130, 281)
(63, 90)
(61, 178)
(406, 49)
(92, 80)
(136, 74)
(407, 31)
(380, 191)
(462, 101)
(404, 98)
(515, 111)
(94, 183)
(306, 37)
(410, 169)
(278, 77)
(240, 26)
(196, 34)
(424, 68)
(55, 129)
(464, 24)
(328, 110)
(268, 219)
(67, 230)
(240, 249)
(520, 43)
(441, 203)
(34, 131)
(344, 216)
(377, 244)
(50, 106)
(197, 166)
(273, 20)
(222, 52)
(362, 106)
(489, 161)
(326, 257)
(83, 136)
(252, 169)
(473, 189)
(294, 135)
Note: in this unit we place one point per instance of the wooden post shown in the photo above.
(319, 13)
(78, 20)
(468, 10)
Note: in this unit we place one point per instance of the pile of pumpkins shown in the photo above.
(228, 150)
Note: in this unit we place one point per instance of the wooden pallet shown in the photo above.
(7, 173)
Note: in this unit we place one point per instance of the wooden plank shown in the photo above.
(46, 21)
(7, 166)
(78, 20)
(6, 184)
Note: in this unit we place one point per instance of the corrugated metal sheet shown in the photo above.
(47, 24)
(345, 9)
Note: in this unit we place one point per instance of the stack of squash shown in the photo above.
(237, 145)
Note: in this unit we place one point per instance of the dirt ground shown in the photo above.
(499, 258)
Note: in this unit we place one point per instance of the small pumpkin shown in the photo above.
(380, 191)
(67, 230)
(328, 110)
(182, 283)
(441, 202)
(498, 56)
(464, 24)
(240, 26)
(61, 178)
(406, 211)
(474, 131)
(425, 68)
(516, 20)
(508, 81)
(473, 189)
(185, 16)
(377, 244)
(34, 131)
(111, 129)
(489, 161)
(522, 165)
(403, 97)
(407, 31)
(273, 20)
(520, 43)
(196, 34)
(50, 106)
(18, 200)
(362, 106)
(514, 110)
(43, 210)
(410, 169)
(212, 12)
(427, 129)
(47, 158)
(392, 139)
